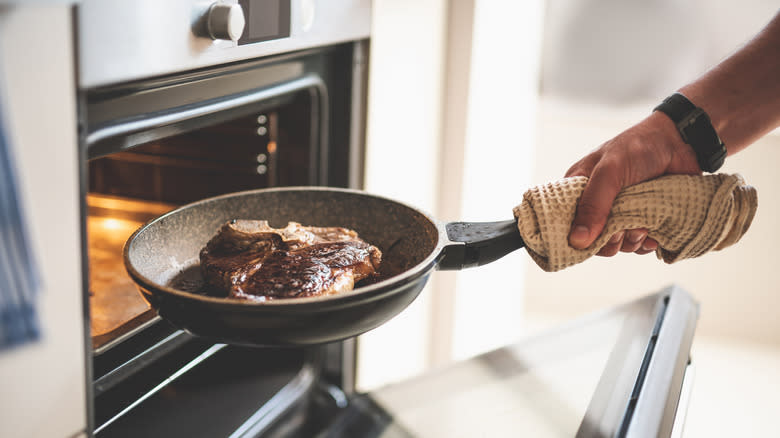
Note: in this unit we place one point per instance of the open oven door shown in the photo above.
(624, 372)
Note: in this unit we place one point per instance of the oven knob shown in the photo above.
(225, 21)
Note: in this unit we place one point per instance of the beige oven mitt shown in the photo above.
(688, 215)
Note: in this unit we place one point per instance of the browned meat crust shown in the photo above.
(251, 260)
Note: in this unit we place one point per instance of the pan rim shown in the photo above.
(375, 290)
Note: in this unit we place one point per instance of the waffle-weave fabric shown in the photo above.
(688, 215)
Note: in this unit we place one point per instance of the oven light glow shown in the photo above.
(112, 224)
(271, 147)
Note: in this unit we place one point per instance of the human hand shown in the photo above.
(649, 149)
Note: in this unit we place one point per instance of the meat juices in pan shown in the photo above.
(248, 259)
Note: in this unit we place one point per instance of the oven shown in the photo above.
(184, 100)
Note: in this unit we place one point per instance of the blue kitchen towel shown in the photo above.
(19, 280)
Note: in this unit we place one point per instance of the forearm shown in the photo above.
(742, 93)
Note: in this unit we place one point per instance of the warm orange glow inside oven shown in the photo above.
(116, 306)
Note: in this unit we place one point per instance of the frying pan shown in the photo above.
(162, 258)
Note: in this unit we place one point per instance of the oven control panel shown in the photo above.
(248, 21)
(222, 21)
(121, 40)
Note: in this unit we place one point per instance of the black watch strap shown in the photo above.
(696, 129)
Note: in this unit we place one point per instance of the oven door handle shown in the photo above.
(127, 133)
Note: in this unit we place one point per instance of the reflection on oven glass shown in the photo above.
(268, 149)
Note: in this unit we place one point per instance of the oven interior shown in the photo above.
(127, 189)
(151, 147)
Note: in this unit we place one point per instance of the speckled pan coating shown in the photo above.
(169, 246)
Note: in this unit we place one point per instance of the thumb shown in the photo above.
(593, 208)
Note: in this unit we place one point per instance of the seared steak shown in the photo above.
(248, 259)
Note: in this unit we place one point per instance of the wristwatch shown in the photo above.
(696, 129)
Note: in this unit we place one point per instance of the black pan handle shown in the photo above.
(479, 243)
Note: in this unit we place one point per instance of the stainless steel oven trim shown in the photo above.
(678, 428)
(607, 408)
(127, 335)
(133, 365)
(121, 41)
(658, 401)
(358, 107)
(638, 393)
(151, 95)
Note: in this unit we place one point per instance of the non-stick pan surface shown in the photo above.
(162, 258)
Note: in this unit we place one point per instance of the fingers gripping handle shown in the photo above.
(688, 215)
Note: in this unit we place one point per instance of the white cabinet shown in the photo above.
(44, 383)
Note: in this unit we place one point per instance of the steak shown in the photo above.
(248, 259)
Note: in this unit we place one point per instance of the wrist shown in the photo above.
(681, 156)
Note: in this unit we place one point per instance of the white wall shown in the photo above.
(452, 99)
(403, 137)
(496, 151)
(619, 51)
